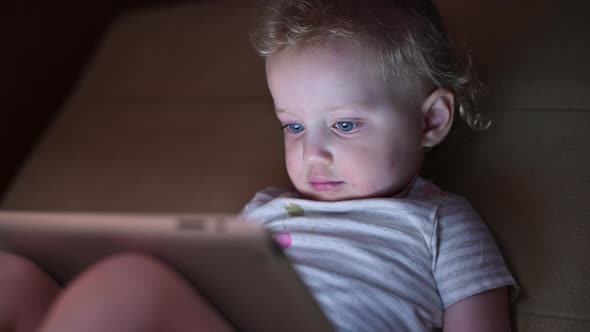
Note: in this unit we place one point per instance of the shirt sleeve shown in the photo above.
(466, 259)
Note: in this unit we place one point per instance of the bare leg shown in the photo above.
(130, 292)
(25, 294)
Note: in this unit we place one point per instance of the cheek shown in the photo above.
(372, 166)
(291, 159)
(290, 164)
(365, 161)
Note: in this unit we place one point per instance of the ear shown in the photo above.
(437, 116)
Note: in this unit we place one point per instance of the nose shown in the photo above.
(316, 151)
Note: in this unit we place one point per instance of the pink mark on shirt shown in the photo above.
(283, 239)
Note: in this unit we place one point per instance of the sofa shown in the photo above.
(173, 115)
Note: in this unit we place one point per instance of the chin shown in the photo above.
(327, 196)
(334, 197)
(320, 196)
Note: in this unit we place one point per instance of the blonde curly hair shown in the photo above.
(405, 39)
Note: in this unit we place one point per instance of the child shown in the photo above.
(361, 88)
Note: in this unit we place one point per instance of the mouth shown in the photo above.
(323, 184)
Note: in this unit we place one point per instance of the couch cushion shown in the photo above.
(160, 157)
(527, 176)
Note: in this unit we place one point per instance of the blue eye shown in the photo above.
(346, 126)
(294, 127)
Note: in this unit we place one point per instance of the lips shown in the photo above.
(322, 184)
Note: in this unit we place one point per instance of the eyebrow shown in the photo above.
(281, 111)
(360, 107)
(355, 107)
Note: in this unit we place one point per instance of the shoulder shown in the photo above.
(457, 211)
(447, 208)
(466, 259)
(424, 190)
(457, 224)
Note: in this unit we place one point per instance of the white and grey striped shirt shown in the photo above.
(385, 264)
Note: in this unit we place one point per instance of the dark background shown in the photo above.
(45, 46)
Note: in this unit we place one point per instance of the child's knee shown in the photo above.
(21, 275)
(123, 285)
(127, 268)
(136, 292)
(127, 276)
(26, 293)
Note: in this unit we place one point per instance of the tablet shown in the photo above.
(233, 263)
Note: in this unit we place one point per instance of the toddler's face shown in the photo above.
(348, 134)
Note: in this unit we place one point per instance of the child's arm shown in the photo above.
(487, 311)
(469, 270)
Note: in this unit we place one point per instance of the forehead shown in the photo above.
(330, 75)
(328, 62)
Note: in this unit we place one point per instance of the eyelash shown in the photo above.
(355, 126)
(289, 128)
